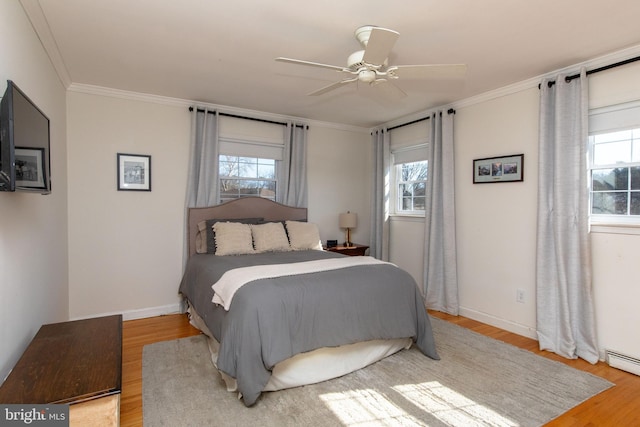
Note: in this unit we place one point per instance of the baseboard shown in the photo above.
(143, 312)
(507, 325)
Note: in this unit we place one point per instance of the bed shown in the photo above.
(281, 312)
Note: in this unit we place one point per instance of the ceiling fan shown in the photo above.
(371, 66)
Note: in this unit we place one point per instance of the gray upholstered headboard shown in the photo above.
(245, 207)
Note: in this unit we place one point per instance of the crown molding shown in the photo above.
(178, 102)
(523, 85)
(34, 13)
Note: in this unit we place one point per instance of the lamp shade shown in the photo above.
(348, 220)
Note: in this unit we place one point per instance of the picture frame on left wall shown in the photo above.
(134, 172)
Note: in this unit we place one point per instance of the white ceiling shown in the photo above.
(222, 52)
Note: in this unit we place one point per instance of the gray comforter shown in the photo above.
(271, 320)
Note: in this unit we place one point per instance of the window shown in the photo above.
(250, 151)
(246, 176)
(409, 146)
(614, 164)
(615, 173)
(411, 179)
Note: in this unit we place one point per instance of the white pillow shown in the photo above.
(303, 236)
(233, 238)
(270, 237)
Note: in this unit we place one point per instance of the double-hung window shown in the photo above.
(250, 152)
(614, 164)
(409, 152)
(246, 176)
(411, 179)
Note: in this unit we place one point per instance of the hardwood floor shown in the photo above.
(135, 335)
(618, 406)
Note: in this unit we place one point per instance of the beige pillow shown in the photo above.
(233, 238)
(270, 237)
(303, 236)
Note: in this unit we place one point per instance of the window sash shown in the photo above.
(245, 176)
(614, 164)
(410, 194)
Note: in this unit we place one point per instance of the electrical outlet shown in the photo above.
(520, 296)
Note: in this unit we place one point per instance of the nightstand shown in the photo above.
(353, 250)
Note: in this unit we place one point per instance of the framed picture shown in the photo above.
(134, 172)
(498, 169)
(30, 169)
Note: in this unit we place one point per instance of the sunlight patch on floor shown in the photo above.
(451, 407)
(367, 408)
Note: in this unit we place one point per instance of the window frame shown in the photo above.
(399, 198)
(408, 143)
(609, 120)
(247, 178)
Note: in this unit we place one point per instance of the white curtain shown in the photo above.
(202, 175)
(565, 313)
(379, 247)
(202, 180)
(293, 168)
(440, 258)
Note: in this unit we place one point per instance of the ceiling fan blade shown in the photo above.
(390, 90)
(379, 46)
(435, 71)
(309, 63)
(331, 87)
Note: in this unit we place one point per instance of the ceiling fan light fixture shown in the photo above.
(366, 76)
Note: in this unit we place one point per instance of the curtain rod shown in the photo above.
(248, 118)
(449, 111)
(596, 70)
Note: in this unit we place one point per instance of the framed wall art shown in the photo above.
(134, 172)
(498, 169)
(30, 168)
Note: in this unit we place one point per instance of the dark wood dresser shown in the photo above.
(77, 363)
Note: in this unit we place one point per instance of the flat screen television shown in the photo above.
(25, 164)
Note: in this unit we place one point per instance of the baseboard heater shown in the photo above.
(624, 362)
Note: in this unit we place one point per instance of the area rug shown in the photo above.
(478, 381)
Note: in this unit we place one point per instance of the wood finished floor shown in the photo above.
(618, 406)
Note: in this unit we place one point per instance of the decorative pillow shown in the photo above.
(303, 236)
(270, 237)
(201, 238)
(233, 238)
(205, 237)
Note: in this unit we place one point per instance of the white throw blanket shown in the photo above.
(232, 280)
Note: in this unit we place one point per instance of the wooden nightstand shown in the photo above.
(77, 363)
(353, 250)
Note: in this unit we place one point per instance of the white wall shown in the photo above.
(33, 229)
(339, 172)
(615, 256)
(125, 248)
(496, 223)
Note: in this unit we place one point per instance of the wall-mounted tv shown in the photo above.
(25, 164)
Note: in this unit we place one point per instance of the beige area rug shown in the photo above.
(479, 381)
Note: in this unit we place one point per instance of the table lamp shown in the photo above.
(348, 221)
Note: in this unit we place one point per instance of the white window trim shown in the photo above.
(604, 120)
(407, 143)
(395, 208)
